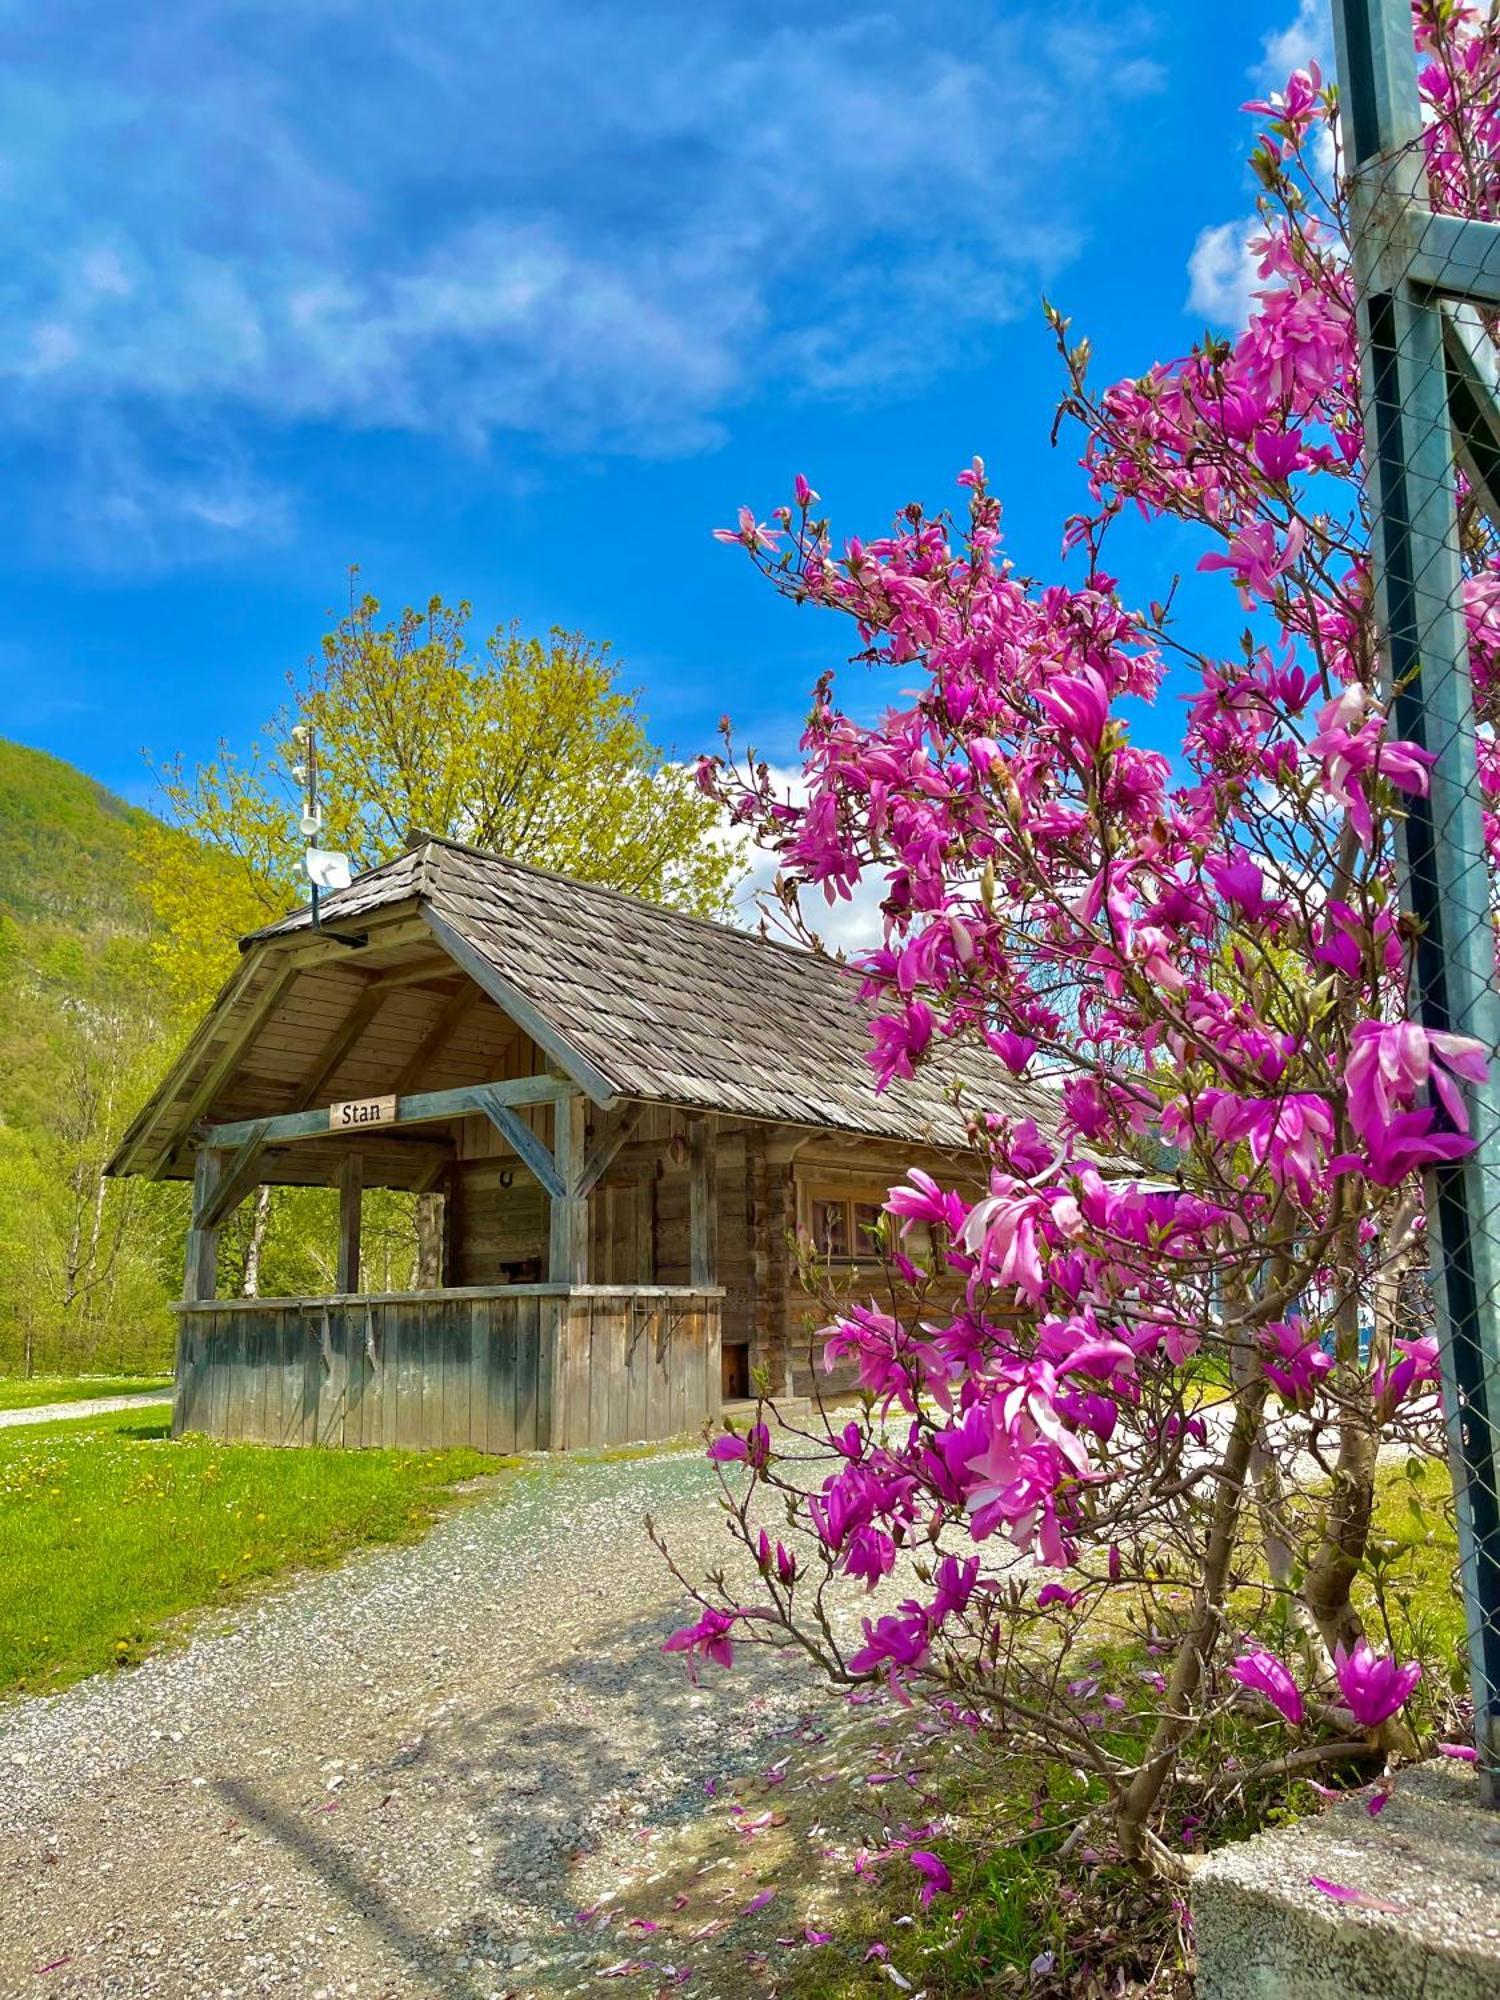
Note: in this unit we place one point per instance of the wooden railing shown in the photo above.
(500, 1368)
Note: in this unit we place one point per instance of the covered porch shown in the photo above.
(555, 1363)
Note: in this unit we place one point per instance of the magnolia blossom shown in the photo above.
(1265, 1674)
(1388, 1064)
(708, 1639)
(1416, 1369)
(1294, 1362)
(936, 1879)
(1374, 1687)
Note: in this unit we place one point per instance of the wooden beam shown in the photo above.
(703, 1203)
(239, 1172)
(278, 980)
(308, 947)
(568, 1260)
(340, 1042)
(618, 1128)
(424, 1108)
(525, 1144)
(437, 1037)
(351, 1196)
(201, 1275)
(434, 1170)
(434, 968)
(392, 1159)
(511, 1001)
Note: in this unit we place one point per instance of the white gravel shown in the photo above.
(96, 1406)
(386, 1779)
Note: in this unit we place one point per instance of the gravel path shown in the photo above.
(398, 1778)
(97, 1406)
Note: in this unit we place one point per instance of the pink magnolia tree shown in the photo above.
(1130, 1370)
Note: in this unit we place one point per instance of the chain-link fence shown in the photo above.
(1427, 280)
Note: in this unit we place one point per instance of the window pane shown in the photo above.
(831, 1228)
(867, 1216)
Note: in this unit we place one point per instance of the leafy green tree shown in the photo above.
(86, 1264)
(527, 746)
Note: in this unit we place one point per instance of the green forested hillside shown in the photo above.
(115, 930)
(86, 1267)
(64, 846)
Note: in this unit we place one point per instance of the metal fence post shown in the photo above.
(1442, 866)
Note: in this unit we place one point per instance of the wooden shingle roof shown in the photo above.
(644, 1002)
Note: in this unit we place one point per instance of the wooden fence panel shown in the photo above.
(524, 1334)
(639, 1360)
(256, 1338)
(466, 1410)
(190, 1372)
(293, 1375)
(555, 1314)
(574, 1332)
(406, 1324)
(311, 1341)
(333, 1363)
(514, 1371)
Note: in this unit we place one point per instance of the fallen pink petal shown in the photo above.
(1358, 1899)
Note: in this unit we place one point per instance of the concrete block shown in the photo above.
(1262, 1932)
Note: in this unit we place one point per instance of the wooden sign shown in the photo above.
(359, 1112)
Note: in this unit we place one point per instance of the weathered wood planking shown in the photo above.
(502, 1371)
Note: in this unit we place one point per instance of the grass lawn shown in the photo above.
(109, 1528)
(21, 1392)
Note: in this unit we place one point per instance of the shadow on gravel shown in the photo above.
(356, 1888)
(738, 1884)
(538, 1771)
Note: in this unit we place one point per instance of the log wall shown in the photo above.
(515, 1368)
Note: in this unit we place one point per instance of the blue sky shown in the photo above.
(518, 303)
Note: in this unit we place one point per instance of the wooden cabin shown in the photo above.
(631, 1117)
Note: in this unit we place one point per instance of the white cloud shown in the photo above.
(134, 507)
(1306, 40)
(597, 226)
(102, 271)
(1222, 275)
(1222, 272)
(845, 925)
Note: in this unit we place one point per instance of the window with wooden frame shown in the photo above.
(842, 1223)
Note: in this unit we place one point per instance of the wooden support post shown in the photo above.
(569, 1249)
(703, 1205)
(201, 1276)
(351, 1199)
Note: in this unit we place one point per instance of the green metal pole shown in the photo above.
(1444, 876)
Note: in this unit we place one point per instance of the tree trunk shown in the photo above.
(1197, 1644)
(429, 1242)
(250, 1287)
(1346, 1523)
